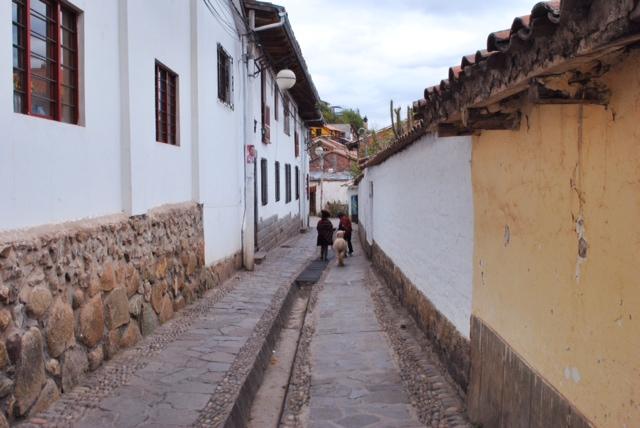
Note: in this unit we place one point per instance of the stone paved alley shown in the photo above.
(199, 368)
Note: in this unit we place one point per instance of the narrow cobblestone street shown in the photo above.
(354, 378)
(196, 369)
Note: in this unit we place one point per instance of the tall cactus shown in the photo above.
(393, 124)
(409, 118)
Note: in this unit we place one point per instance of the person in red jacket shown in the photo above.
(345, 224)
(325, 234)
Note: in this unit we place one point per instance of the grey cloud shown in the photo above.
(362, 53)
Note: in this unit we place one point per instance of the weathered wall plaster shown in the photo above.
(564, 292)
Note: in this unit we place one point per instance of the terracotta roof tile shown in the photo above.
(554, 33)
(543, 21)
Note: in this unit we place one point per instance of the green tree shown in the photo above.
(347, 116)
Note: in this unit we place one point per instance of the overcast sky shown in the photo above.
(362, 53)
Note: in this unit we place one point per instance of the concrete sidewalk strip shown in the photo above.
(194, 368)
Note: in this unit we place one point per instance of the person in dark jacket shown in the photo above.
(325, 234)
(345, 224)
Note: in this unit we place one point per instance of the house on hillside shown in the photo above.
(130, 159)
(544, 218)
(342, 132)
(330, 175)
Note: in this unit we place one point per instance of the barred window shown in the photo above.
(166, 105)
(225, 76)
(45, 59)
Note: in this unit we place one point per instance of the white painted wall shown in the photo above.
(54, 172)
(161, 173)
(220, 137)
(421, 216)
(282, 149)
(332, 191)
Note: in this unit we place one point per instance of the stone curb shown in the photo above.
(242, 407)
(243, 379)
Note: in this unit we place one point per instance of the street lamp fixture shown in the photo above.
(285, 79)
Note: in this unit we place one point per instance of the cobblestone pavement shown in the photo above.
(355, 381)
(180, 375)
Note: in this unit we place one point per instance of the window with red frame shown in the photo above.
(166, 105)
(45, 59)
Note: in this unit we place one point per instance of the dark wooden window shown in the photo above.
(225, 76)
(166, 105)
(297, 183)
(287, 116)
(276, 104)
(263, 181)
(45, 59)
(287, 179)
(266, 113)
(277, 174)
(296, 140)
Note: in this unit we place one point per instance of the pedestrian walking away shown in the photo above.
(325, 234)
(345, 224)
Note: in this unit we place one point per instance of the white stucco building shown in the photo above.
(155, 102)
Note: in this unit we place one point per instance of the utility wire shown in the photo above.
(228, 15)
(228, 28)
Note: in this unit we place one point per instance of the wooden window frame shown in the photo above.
(266, 112)
(287, 179)
(297, 177)
(60, 56)
(167, 93)
(286, 103)
(277, 180)
(225, 77)
(296, 142)
(264, 184)
(276, 104)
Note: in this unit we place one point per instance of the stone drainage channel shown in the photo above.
(276, 391)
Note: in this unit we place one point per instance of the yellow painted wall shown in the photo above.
(576, 322)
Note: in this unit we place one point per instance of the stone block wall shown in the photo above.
(74, 295)
(452, 348)
(274, 230)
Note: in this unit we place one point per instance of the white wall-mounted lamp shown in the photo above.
(285, 79)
